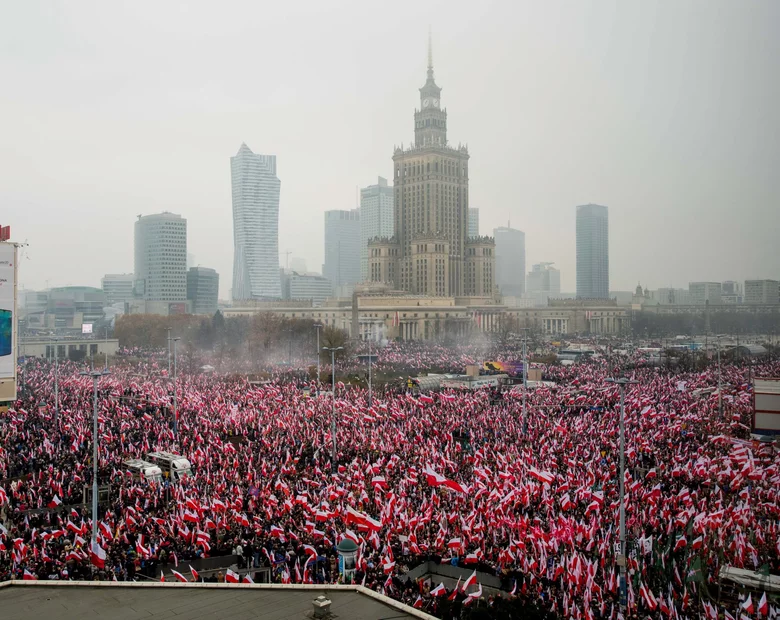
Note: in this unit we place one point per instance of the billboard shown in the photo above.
(86, 328)
(7, 321)
(513, 369)
(177, 307)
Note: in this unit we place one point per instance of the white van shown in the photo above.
(143, 470)
(176, 465)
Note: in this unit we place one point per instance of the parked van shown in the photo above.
(144, 470)
(176, 466)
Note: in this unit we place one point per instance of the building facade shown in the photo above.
(762, 292)
(543, 282)
(118, 287)
(430, 252)
(306, 286)
(203, 289)
(161, 257)
(342, 250)
(668, 296)
(473, 226)
(376, 218)
(702, 293)
(592, 252)
(256, 191)
(510, 261)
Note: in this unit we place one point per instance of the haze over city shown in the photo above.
(664, 112)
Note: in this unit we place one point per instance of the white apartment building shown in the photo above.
(161, 257)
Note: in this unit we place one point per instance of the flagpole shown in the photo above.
(333, 401)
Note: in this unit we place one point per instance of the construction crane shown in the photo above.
(287, 259)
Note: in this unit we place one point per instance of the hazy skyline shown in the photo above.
(666, 112)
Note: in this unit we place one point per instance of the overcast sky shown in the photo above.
(666, 112)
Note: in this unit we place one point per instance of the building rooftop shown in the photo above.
(128, 601)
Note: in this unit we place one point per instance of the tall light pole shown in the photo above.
(333, 388)
(720, 384)
(525, 379)
(105, 351)
(56, 382)
(169, 351)
(369, 367)
(95, 374)
(318, 326)
(175, 401)
(622, 383)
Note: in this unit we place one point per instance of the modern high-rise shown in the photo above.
(203, 289)
(255, 225)
(376, 218)
(342, 250)
(702, 293)
(592, 252)
(161, 257)
(510, 261)
(430, 252)
(543, 282)
(305, 286)
(118, 287)
(473, 227)
(762, 292)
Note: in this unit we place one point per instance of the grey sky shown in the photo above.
(666, 112)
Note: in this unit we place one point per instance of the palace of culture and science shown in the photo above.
(431, 253)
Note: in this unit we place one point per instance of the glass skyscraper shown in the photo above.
(592, 252)
(376, 218)
(342, 250)
(255, 225)
(510, 261)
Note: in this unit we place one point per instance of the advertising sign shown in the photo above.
(86, 328)
(7, 321)
(766, 406)
(513, 368)
(177, 307)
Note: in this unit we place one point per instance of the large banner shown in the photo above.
(7, 321)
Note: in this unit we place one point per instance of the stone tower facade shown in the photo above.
(431, 194)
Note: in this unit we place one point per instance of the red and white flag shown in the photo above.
(194, 574)
(470, 581)
(179, 576)
(97, 555)
(439, 590)
(56, 501)
(231, 577)
(28, 576)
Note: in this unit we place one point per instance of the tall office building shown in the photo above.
(376, 218)
(342, 250)
(161, 257)
(543, 282)
(255, 225)
(510, 261)
(203, 289)
(118, 287)
(762, 292)
(473, 227)
(430, 252)
(702, 293)
(592, 252)
(305, 286)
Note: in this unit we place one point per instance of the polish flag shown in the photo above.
(231, 577)
(418, 603)
(474, 595)
(28, 576)
(647, 596)
(194, 573)
(247, 579)
(97, 555)
(54, 502)
(454, 593)
(747, 604)
(352, 536)
(179, 576)
(439, 590)
(763, 605)
(542, 476)
(470, 581)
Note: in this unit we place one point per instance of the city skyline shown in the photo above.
(665, 135)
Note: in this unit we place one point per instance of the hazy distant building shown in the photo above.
(473, 222)
(510, 261)
(376, 218)
(431, 252)
(673, 297)
(203, 289)
(118, 287)
(543, 282)
(342, 250)
(705, 293)
(306, 286)
(762, 292)
(255, 225)
(161, 257)
(298, 264)
(592, 252)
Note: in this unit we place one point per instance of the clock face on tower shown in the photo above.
(435, 103)
(426, 102)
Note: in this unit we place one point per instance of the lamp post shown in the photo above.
(525, 379)
(333, 388)
(169, 351)
(105, 351)
(369, 367)
(720, 384)
(95, 374)
(622, 383)
(56, 382)
(318, 326)
(175, 400)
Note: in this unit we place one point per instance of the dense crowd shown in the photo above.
(463, 478)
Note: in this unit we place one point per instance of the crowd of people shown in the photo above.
(529, 496)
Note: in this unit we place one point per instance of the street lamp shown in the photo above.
(525, 378)
(622, 383)
(56, 381)
(720, 383)
(333, 388)
(95, 374)
(318, 326)
(175, 401)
